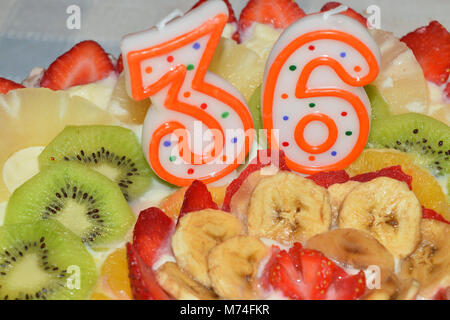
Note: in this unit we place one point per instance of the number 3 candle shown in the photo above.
(169, 64)
(314, 106)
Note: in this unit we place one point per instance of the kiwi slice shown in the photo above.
(380, 108)
(425, 137)
(84, 201)
(111, 150)
(44, 261)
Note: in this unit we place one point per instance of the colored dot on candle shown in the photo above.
(343, 113)
(172, 158)
(190, 67)
(234, 140)
(224, 158)
(187, 94)
(285, 118)
(357, 68)
(333, 153)
(343, 54)
(170, 58)
(196, 46)
(167, 143)
(203, 106)
(312, 105)
(311, 48)
(148, 69)
(285, 144)
(284, 96)
(292, 67)
(225, 114)
(348, 133)
(311, 158)
(190, 171)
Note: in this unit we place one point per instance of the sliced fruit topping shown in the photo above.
(196, 198)
(142, 278)
(431, 214)
(196, 234)
(111, 150)
(349, 12)
(231, 15)
(327, 179)
(22, 113)
(380, 109)
(8, 85)
(442, 294)
(84, 201)
(431, 46)
(44, 261)
(394, 172)
(151, 234)
(424, 185)
(86, 62)
(119, 64)
(347, 287)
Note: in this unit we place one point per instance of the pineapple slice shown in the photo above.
(34, 116)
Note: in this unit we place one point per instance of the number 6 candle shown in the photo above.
(314, 106)
(169, 64)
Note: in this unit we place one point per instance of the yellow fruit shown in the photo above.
(400, 81)
(262, 39)
(124, 108)
(99, 93)
(34, 116)
(114, 282)
(240, 66)
(424, 185)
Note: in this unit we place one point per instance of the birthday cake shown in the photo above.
(281, 155)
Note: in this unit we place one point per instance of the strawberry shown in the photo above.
(142, 278)
(349, 12)
(197, 197)
(231, 15)
(431, 214)
(279, 14)
(86, 62)
(263, 159)
(7, 85)
(326, 179)
(442, 294)
(264, 280)
(346, 287)
(431, 46)
(394, 172)
(119, 64)
(151, 233)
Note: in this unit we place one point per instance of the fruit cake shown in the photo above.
(78, 197)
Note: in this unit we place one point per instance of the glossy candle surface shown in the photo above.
(198, 126)
(314, 106)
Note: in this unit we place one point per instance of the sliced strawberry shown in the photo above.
(394, 172)
(151, 233)
(442, 294)
(231, 15)
(263, 159)
(347, 287)
(265, 275)
(119, 65)
(142, 278)
(197, 197)
(86, 62)
(295, 252)
(349, 12)
(431, 46)
(8, 85)
(431, 214)
(279, 14)
(328, 178)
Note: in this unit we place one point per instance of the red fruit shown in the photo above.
(349, 12)
(394, 172)
(431, 46)
(119, 65)
(284, 276)
(347, 287)
(7, 85)
(231, 15)
(142, 278)
(326, 179)
(265, 276)
(197, 197)
(442, 294)
(295, 253)
(278, 13)
(431, 214)
(151, 233)
(86, 62)
(263, 159)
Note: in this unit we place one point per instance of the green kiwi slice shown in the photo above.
(84, 201)
(380, 108)
(111, 150)
(425, 137)
(44, 261)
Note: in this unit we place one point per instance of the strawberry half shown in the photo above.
(431, 46)
(431, 214)
(119, 64)
(8, 85)
(280, 14)
(142, 278)
(394, 172)
(347, 287)
(349, 12)
(151, 233)
(86, 62)
(197, 197)
(231, 15)
(326, 179)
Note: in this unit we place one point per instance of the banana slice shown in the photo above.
(338, 192)
(233, 267)
(197, 233)
(180, 286)
(430, 262)
(388, 210)
(288, 207)
(355, 248)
